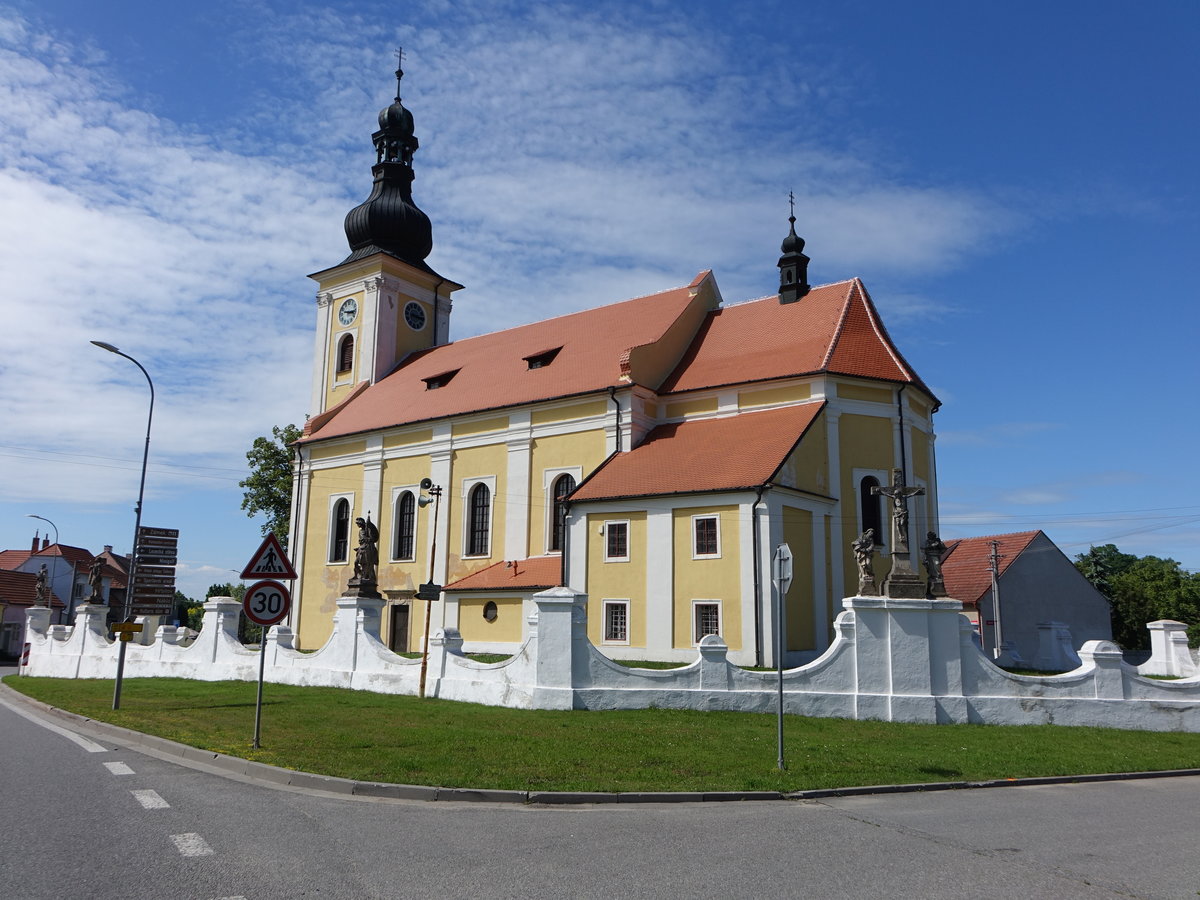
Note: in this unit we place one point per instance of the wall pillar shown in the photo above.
(560, 638)
(1169, 653)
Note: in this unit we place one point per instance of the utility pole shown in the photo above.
(994, 568)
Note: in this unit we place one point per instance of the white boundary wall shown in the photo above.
(895, 660)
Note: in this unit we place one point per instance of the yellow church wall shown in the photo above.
(791, 393)
(799, 602)
(474, 627)
(832, 602)
(561, 451)
(403, 576)
(324, 582)
(691, 407)
(479, 426)
(617, 580)
(488, 461)
(919, 453)
(917, 406)
(405, 438)
(330, 451)
(807, 468)
(707, 579)
(650, 409)
(566, 413)
(865, 442)
(863, 392)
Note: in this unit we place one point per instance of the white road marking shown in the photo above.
(191, 844)
(89, 746)
(238, 897)
(150, 800)
(118, 768)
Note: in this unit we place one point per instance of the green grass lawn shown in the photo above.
(376, 737)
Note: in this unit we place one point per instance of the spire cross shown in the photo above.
(399, 54)
(792, 206)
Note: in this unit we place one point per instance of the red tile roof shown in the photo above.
(493, 372)
(78, 557)
(720, 454)
(966, 564)
(20, 589)
(10, 559)
(513, 575)
(834, 328)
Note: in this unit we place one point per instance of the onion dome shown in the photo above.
(793, 264)
(388, 221)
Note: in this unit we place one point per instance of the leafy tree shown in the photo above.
(268, 488)
(1142, 590)
(186, 609)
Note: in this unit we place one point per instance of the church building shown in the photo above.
(652, 453)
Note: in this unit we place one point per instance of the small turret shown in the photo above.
(793, 264)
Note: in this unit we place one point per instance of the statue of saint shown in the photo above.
(933, 548)
(95, 580)
(366, 554)
(40, 594)
(864, 550)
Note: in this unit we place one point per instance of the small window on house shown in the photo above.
(345, 355)
(563, 485)
(406, 521)
(339, 532)
(871, 506)
(490, 611)
(616, 541)
(616, 621)
(480, 506)
(439, 381)
(543, 359)
(707, 618)
(706, 534)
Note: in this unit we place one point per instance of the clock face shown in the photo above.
(347, 311)
(414, 315)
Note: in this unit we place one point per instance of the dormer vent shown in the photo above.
(438, 381)
(543, 359)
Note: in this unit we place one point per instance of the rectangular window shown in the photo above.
(616, 621)
(706, 614)
(616, 541)
(706, 534)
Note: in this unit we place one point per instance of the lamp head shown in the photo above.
(103, 346)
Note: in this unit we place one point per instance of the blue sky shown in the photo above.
(1015, 182)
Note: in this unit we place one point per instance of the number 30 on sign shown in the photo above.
(266, 602)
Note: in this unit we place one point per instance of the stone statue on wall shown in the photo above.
(366, 559)
(41, 595)
(933, 548)
(864, 551)
(96, 580)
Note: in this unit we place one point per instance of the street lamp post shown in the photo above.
(137, 525)
(50, 599)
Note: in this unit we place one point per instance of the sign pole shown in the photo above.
(262, 671)
(781, 577)
(265, 604)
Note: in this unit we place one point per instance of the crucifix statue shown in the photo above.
(902, 581)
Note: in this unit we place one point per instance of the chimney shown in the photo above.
(33, 548)
(108, 548)
(45, 542)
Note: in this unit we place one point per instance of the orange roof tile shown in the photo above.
(966, 564)
(722, 454)
(513, 575)
(20, 589)
(492, 370)
(10, 559)
(833, 328)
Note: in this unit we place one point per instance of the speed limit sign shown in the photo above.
(266, 602)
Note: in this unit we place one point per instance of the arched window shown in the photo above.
(871, 506)
(563, 485)
(339, 537)
(480, 503)
(406, 521)
(345, 355)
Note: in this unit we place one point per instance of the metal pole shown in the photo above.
(262, 668)
(779, 665)
(436, 492)
(995, 569)
(137, 524)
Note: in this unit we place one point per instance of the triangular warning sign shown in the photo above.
(270, 560)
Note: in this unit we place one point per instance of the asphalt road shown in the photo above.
(91, 819)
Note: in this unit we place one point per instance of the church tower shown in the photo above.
(382, 302)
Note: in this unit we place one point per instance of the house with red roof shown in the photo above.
(1035, 583)
(652, 453)
(18, 593)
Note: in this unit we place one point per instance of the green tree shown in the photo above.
(268, 488)
(185, 606)
(1141, 590)
(248, 632)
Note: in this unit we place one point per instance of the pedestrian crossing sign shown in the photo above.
(269, 560)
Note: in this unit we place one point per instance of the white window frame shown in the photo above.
(333, 502)
(468, 484)
(346, 377)
(616, 559)
(606, 605)
(549, 476)
(696, 518)
(696, 638)
(415, 490)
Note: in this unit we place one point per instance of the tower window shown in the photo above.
(345, 355)
(480, 506)
(563, 485)
(406, 520)
(339, 534)
(871, 506)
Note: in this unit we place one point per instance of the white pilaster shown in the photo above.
(518, 504)
(660, 580)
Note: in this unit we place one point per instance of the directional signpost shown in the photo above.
(153, 588)
(781, 577)
(266, 603)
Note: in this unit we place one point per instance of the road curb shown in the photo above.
(307, 782)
